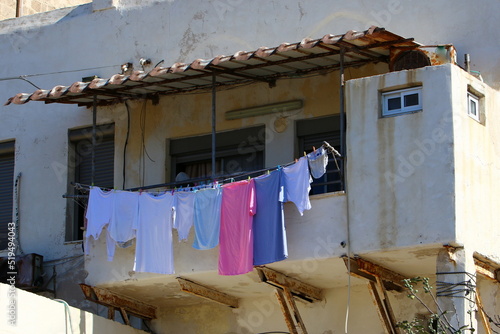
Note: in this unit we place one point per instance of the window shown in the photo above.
(237, 152)
(401, 101)
(312, 132)
(80, 171)
(473, 106)
(6, 189)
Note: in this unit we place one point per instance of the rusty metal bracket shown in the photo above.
(487, 267)
(287, 302)
(364, 269)
(297, 288)
(482, 313)
(207, 293)
(380, 280)
(125, 305)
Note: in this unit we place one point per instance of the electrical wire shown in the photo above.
(144, 151)
(66, 314)
(58, 72)
(126, 141)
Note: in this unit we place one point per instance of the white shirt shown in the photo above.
(184, 213)
(154, 252)
(297, 183)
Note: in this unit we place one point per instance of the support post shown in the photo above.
(214, 105)
(342, 119)
(286, 312)
(94, 140)
(19, 8)
(456, 287)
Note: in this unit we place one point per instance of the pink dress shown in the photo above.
(236, 228)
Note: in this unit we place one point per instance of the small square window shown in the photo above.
(401, 102)
(473, 106)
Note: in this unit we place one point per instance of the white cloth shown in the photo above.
(153, 250)
(317, 162)
(184, 213)
(99, 213)
(297, 183)
(121, 226)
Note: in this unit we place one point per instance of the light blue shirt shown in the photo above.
(207, 206)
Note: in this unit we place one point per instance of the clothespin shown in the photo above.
(249, 178)
(268, 172)
(314, 149)
(297, 160)
(304, 155)
(140, 191)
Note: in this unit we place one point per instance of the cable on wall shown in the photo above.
(126, 142)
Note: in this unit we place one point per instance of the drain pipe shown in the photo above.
(19, 8)
(467, 62)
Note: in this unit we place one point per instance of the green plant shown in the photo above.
(437, 323)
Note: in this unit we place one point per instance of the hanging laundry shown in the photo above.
(236, 233)
(318, 160)
(99, 213)
(153, 250)
(270, 243)
(184, 213)
(207, 206)
(297, 184)
(121, 227)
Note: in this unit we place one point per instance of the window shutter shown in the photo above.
(6, 194)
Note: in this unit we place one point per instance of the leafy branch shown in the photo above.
(438, 322)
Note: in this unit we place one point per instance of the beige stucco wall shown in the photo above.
(8, 7)
(36, 314)
(401, 166)
(477, 165)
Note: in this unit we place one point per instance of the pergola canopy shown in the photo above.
(266, 64)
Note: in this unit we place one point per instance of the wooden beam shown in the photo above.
(296, 313)
(379, 303)
(111, 313)
(487, 268)
(483, 315)
(207, 293)
(387, 306)
(124, 315)
(286, 311)
(110, 299)
(297, 288)
(368, 270)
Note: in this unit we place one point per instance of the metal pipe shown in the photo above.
(19, 8)
(467, 62)
(94, 131)
(213, 124)
(342, 118)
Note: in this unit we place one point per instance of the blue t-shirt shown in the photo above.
(207, 208)
(269, 243)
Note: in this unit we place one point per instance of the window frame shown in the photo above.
(471, 97)
(193, 149)
(81, 139)
(307, 129)
(403, 109)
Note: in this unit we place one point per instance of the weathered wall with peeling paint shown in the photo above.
(62, 46)
(477, 176)
(401, 165)
(30, 7)
(36, 314)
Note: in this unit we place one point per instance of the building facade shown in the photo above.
(136, 95)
